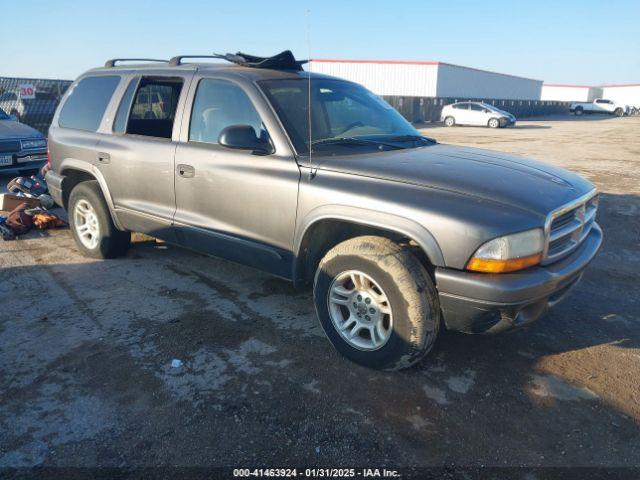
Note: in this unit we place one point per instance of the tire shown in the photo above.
(412, 318)
(618, 112)
(578, 111)
(494, 123)
(450, 122)
(91, 224)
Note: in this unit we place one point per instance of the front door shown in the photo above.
(233, 203)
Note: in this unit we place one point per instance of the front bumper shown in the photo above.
(491, 303)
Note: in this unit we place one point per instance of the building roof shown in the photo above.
(414, 62)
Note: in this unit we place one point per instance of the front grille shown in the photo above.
(9, 146)
(569, 226)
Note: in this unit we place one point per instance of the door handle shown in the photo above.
(104, 157)
(186, 171)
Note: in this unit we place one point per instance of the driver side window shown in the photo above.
(217, 105)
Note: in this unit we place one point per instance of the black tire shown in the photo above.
(578, 111)
(450, 121)
(111, 241)
(412, 297)
(493, 123)
(618, 112)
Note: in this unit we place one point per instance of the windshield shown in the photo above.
(3, 115)
(345, 116)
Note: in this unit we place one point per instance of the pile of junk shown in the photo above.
(26, 205)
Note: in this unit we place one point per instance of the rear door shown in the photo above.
(461, 112)
(232, 203)
(137, 157)
(477, 115)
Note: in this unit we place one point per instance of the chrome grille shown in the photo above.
(568, 226)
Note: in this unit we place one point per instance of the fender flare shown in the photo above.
(384, 221)
(73, 164)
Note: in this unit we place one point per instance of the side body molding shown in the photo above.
(370, 218)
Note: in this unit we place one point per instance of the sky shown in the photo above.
(586, 42)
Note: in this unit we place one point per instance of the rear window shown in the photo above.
(87, 102)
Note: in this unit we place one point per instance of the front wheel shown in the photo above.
(376, 303)
(494, 123)
(578, 112)
(450, 121)
(91, 225)
(619, 112)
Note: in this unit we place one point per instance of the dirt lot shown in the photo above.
(86, 349)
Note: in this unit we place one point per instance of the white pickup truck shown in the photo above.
(599, 105)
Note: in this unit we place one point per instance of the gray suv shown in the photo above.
(317, 180)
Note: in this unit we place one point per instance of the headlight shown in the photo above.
(35, 143)
(509, 253)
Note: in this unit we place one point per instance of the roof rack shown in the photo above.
(282, 61)
(112, 63)
(175, 61)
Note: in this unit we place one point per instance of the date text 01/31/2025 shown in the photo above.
(316, 472)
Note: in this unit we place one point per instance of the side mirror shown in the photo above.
(243, 137)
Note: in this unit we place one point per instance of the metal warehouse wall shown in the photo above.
(454, 81)
(570, 93)
(625, 94)
(32, 100)
(384, 78)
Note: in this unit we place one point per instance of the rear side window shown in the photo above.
(476, 107)
(461, 106)
(85, 105)
(154, 107)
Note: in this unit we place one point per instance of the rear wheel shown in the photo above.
(494, 123)
(578, 111)
(91, 225)
(449, 121)
(376, 303)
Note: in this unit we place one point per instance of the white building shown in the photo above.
(570, 93)
(624, 94)
(429, 79)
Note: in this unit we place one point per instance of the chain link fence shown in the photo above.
(32, 101)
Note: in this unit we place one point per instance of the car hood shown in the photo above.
(11, 129)
(508, 179)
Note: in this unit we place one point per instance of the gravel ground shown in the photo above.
(86, 351)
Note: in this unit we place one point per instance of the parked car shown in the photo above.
(399, 235)
(25, 110)
(599, 105)
(22, 148)
(475, 113)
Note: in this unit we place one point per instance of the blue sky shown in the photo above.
(564, 41)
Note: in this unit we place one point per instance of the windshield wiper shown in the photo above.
(353, 141)
(405, 138)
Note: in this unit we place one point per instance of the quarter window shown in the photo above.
(154, 107)
(219, 104)
(85, 105)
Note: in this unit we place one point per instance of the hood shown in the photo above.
(11, 129)
(508, 179)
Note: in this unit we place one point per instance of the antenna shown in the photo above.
(311, 175)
